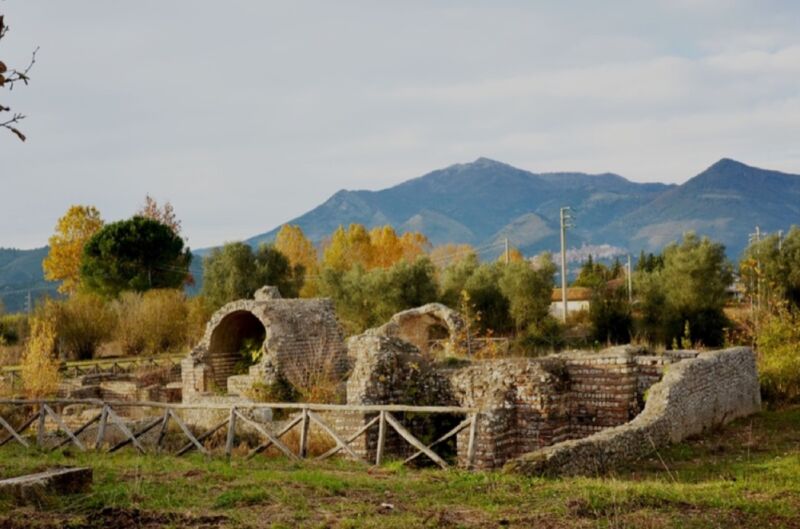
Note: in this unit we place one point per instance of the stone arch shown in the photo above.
(424, 326)
(227, 339)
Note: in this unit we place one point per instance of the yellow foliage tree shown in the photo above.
(293, 243)
(450, 253)
(73, 230)
(414, 244)
(39, 363)
(514, 256)
(386, 247)
(348, 248)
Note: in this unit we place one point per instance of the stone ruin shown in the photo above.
(281, 330)
(574, 413)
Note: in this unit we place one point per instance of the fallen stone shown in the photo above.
(34, 488)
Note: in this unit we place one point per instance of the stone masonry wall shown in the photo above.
(695, 394)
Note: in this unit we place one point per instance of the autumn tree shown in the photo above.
(164, 214)
(136, 254)
(73, 230)
(386, 247)
(348, 248)
(292, 243)
(450, 253)
(9, 78)
(514, 256)
(39, 363)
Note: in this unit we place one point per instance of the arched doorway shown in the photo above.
(232, 341)
(424, 330)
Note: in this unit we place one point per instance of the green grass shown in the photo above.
(745, 475)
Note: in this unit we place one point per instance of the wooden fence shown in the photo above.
(306, 415)
(107, 366)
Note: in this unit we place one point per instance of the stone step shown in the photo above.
(34, 488)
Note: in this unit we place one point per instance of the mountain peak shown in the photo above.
(728, 163)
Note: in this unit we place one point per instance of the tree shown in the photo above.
(164, 214)
(450, 253)
(292, 242)
(488, 299)
(301, 253)
(63, 261)
(348, 248)
(610, 314)
(691, 287)
(235, 272)
(414, 244)
(136, 254)
(367, 298)
(770, 269)
(528, 291)
(8, 78)
(39, 363)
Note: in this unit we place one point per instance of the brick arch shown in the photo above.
(226, 341)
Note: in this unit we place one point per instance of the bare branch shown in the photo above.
(8, 78)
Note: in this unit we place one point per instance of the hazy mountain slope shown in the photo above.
(21, 271)
(480, 202)
(725, 202)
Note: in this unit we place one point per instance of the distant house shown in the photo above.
(578, 299)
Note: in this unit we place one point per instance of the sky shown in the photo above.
(246, 114)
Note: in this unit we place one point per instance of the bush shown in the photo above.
(153, 322)
(778, 343)
(39, 363)
(13, 328)
(83, 322)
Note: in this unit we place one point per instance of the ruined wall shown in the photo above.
(523, 407)
(695, 394)
(290, 332)
(422, 326)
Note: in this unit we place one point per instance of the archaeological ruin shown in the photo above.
(576, 413)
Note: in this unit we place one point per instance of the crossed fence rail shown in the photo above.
(306, 415)
(109, 366)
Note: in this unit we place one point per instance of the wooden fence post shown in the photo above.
(101, 428)
(471, 447)
(40, 429)
(304, 424)
(231, 432)
(381, 438)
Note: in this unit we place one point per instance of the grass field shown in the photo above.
(745, 475)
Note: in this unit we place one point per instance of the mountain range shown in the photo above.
(485, 202)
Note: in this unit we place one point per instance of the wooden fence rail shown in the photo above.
(101, 366)
(237, 417)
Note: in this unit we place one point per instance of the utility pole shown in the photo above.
(507, 256)
(780, 241)
(755, 301)
(29, 303)
(565, 218)
(630, 282)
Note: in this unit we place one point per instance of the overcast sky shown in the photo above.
(245, 114)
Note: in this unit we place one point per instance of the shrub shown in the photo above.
(153, 322)
(39, 363)
(778, 343)
(13, 328)
(83, 322)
